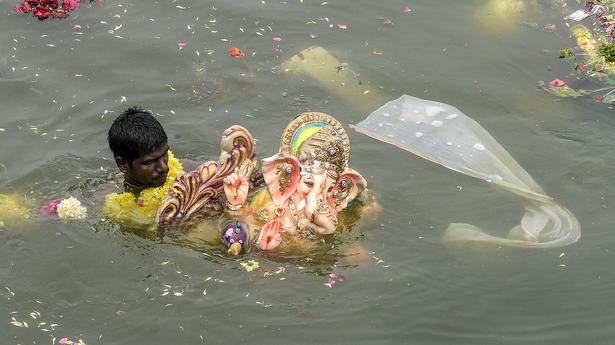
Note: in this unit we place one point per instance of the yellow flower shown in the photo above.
(250, 265)
(139, 212)
(12, 212)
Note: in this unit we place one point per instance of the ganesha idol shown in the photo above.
(306, 186)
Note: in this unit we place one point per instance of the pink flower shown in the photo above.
(277, 39)
(70, 5)
(407, 9)
(50, 208)
(62, 341)
(342, 26)
(181, 45)
(387, 21)
(334, 278)
(23, 8)
(557, 83)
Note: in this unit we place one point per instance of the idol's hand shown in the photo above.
(236, 189)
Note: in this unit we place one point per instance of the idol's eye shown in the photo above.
(309, 183)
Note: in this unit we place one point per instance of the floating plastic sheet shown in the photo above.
(442, 134)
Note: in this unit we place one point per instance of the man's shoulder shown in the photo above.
(110, 187)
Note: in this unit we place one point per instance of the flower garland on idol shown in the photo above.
(139, 212)
(43, 9)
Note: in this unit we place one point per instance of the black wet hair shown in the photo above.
(135, 132)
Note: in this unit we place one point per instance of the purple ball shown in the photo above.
(234, 232)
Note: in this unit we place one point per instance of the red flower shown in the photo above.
(52, 4)
(41, 13)
(23, 8)
(43, 9)
(236, 52)
(70, 5)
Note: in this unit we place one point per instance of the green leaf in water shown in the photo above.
(529, 24)
(562, 91)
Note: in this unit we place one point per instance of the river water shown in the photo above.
(63, 81)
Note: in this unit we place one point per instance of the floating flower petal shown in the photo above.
(557, 83)
(334, 278)
(250, 265)
(236, 52)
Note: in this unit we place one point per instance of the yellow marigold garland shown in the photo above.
(12, 212)
(139, 212)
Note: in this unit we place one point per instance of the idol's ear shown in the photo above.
(281, 174)
(348, 185)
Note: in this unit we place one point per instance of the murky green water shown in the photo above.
(109, 287)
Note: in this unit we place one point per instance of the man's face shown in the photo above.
(148, 170)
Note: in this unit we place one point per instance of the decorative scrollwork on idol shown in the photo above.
(195, 193)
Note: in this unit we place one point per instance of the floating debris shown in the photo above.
(250, 265)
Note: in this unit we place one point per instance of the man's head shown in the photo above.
(139, 145)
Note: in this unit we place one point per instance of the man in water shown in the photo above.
(147, 168)
(140, 148)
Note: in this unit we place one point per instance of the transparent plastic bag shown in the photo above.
(443, 134)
